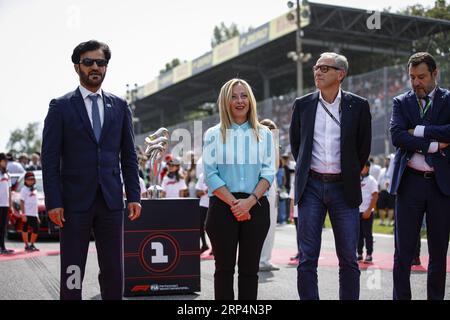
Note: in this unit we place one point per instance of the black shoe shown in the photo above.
(368, 258)
(33, 248)
(296, 257)
(359, 257)
(6, 251)
(416, 261)
(28, 248)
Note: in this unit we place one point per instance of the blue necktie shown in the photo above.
(96, 124)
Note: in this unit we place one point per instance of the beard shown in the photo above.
(93, 79)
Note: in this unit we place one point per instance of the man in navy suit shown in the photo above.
(330, 138)
(87, 147)
(420, 128)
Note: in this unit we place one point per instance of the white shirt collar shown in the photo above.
(432, 93)
(336, 100)
(85, 92)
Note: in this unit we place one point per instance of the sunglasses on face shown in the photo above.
(90, 62)
(324, 68)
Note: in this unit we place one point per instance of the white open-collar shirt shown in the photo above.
(326, 150)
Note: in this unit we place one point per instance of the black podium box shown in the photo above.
(162, 248)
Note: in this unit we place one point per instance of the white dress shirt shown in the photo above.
(417, 160)
(326, 151)
(85, 93)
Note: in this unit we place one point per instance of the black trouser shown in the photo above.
(415, 196)
(365, 235)
(3, 224)
(296, 233)
(74, 242)
(32, 223)
(226, 233)
(203, 213)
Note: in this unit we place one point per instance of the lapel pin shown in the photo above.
(108, 105)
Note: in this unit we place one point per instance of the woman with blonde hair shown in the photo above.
(238, 160)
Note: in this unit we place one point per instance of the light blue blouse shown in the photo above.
(239, 163)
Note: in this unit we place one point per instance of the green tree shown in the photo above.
(26, 140)
(439, 43)
(222, 33)
(170, 65)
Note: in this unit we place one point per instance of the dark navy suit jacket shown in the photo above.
(74, 164)
(356, 136)
(405, 115)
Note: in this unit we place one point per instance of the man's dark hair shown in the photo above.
(368, 164)
(90, 45)
(10, 156)
(3, 156)
(422, 57)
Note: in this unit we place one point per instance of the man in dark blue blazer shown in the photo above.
(420, 128)
(87, 147)
(330, 136)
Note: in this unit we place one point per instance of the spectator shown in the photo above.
(35, 163)
(24, 160)
(191, 176)
(375, 169)
(173, 184)
(266, 253)
(282, 194)
(14, 167)
(369, 190)
(293, 210)
(29, 211)
(5, 201)
(386, 200)
(202, 193)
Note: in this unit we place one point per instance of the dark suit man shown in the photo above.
(87, 145)
(420, 128)
(330, 137)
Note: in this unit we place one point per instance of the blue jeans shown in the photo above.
(318, 198)
(282, 214)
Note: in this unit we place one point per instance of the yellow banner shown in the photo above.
(282, 25)
(225, 51)
(150, 88)
(182, 71)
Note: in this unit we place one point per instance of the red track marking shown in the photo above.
(383, 261)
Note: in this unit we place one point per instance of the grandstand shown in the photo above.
(190, 90)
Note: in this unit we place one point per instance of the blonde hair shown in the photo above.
(224, 102)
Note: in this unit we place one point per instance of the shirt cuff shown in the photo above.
(433, 148)
(214, 182)
(419, 131)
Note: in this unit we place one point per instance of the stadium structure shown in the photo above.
(189, 92)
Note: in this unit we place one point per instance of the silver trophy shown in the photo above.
(157, 144)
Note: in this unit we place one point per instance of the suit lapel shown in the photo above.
(310, 116)
(346, 114)
(438, 102)
(107, 103)
(413, 108)
(77, 100)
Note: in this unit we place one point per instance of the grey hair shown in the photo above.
(340, 60)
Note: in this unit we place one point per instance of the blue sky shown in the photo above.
(38, 37)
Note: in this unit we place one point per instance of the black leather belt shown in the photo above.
(424, 174)
(326, 177)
